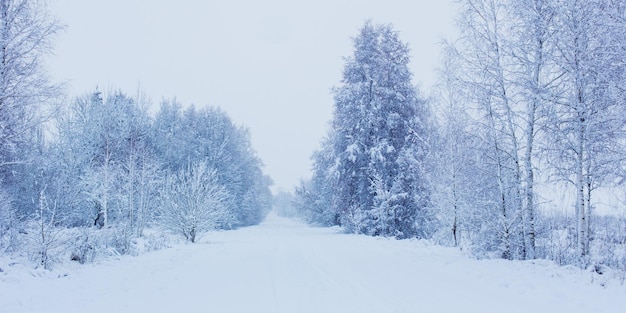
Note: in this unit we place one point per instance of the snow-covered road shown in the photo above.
(284, 266)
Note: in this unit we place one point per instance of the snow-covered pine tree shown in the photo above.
(377, 141)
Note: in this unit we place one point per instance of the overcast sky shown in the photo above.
(269, 64)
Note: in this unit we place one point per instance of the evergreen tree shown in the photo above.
(374, 159)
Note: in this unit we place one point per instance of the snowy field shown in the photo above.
(285, 266)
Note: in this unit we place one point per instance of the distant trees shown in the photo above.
(183, 138)
(283, 204)
(103, 169)
(108, 170)
(315, 198)
(117, 166)
(370, 175)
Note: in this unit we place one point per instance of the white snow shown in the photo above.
(284, 266)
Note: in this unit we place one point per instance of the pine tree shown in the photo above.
(376, 143)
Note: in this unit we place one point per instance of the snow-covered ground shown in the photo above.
(284, 266)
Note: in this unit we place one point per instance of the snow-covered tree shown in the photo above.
(533, 49)
(194, 201)
(209, 136)
(314, 198)
(283, 204)
(374, 156)
(545, 99)
(105, 169)
(502, 70)
(44, 233)
(26, 33)
(26, 30)
(589, 120)
(454, 159)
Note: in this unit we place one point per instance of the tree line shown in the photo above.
(530, 97)
(88, 176)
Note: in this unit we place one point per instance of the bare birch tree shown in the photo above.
(589, 120)
(26, 33)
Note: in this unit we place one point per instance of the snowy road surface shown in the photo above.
(284, 266)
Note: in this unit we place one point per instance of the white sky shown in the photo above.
(269, 64)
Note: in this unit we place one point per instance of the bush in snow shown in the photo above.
(194, 202)
(43, 232)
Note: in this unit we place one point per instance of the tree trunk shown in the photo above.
(456, 212)
(580, 199)
(529, 236)
(588, 183)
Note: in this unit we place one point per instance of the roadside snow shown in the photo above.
(284, 266)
